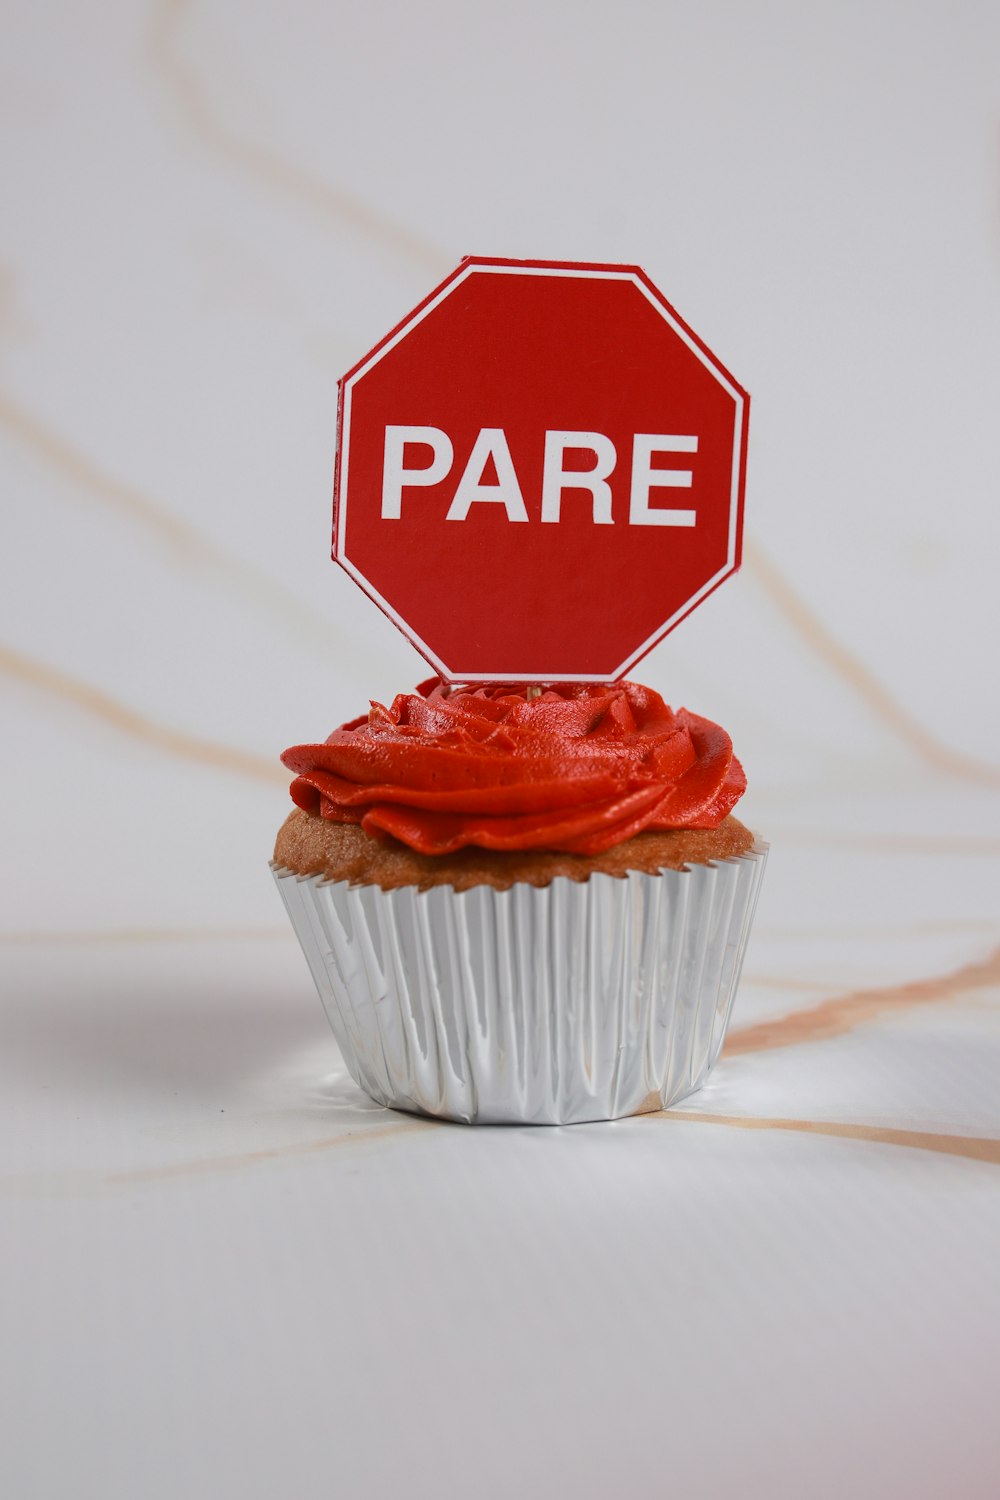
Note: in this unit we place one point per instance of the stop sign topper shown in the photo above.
(540, 472)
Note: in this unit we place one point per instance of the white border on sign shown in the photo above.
(365, 584)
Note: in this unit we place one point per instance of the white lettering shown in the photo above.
(506, 491)
(646, 478)
(395, 477)
(491, 443)
(556, 478)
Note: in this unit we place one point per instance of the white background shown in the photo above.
(211, 211)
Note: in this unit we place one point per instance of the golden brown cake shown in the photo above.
(310, 845)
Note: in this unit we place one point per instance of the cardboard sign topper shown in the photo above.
(539, 472)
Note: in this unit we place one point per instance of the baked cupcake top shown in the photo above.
(576, 769)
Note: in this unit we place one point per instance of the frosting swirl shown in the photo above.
(576, 769)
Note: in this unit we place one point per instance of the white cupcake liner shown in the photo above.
(579, 1000)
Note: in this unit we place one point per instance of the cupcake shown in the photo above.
(522, 905)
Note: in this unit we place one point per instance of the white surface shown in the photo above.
(231, 1274)
(224, 1272)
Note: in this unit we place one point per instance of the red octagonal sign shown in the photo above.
(539, 472)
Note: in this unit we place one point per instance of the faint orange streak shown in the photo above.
(842, 661)
(122, 498)
(173, 741)
(375, 1127)
(842, 1013)
(196, 103)
(186, 541)
(242, 1159)
(972, 1147)
(783, 982)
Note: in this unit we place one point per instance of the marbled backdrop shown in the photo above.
(212, 210)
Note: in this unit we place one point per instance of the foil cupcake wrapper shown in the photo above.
(580, 1000)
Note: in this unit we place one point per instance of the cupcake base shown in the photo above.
(557, 1004)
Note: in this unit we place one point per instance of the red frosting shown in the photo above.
(578, 769)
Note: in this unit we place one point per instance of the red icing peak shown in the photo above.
(577, 769)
